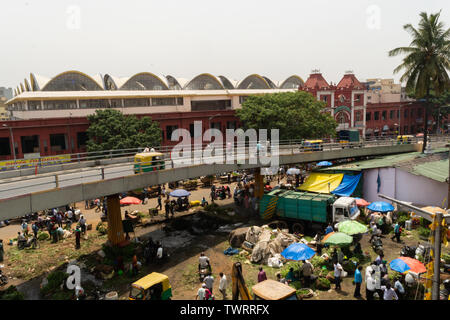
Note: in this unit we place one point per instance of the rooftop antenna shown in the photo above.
(315, 71)
(349, 72)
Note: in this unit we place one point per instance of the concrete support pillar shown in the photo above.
(259, 183)
(115, 228)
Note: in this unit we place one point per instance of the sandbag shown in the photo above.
(237, 237)
(275, 261)
(265, 235)
(259, 252)
(253, 233)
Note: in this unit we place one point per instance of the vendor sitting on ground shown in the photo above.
(290, 277)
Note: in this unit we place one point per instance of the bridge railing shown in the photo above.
(328, 144)
(51, 180)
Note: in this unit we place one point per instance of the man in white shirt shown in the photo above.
(337, 275)
(370, 284)
(223, 285)
(203, 262)
(159, 252)
(389, 292)
(307, 270)
(201, 292)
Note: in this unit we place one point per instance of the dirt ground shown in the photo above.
(184, 249)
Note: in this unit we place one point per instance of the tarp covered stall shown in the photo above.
(348, 185)
(318, 182)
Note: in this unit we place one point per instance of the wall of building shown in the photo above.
(403, 185)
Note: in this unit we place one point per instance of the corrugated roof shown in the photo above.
(436, 170)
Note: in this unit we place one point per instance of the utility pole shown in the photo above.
(437, 239)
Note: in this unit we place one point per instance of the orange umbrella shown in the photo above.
(130, 200)
(361, 202)
(327, 236)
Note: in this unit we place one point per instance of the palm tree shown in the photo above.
(426, 62)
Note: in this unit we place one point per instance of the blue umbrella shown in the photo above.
(399, 265)
(180, 193)
(324, 164)
(298, 251)
(293, 171)
(380, 206)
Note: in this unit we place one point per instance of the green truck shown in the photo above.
(303, 209)
(349, 138)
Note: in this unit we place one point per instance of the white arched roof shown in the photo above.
(147, 80)
(292, 82)
(73, 73)
(38, 81)
(254, 81)
(204, 81)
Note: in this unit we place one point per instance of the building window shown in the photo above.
(203, 105)
(5, 147)
(94, 104)
(412, 115)
(116, 103)
(35, 105)
(216, 125)
(357, 98)
(391, 114)
(30, 144)
(377, 115)
(419, 112)
(169, 130)
(166, 101)
(82, 139)
(383, 115)
(180, 101)
(58, 142)
(231, 125)
(139, 102)
(368, 116)
(60, 105)
(324, 98)
(406, 113)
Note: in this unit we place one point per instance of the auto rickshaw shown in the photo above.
(312, 145)
(404, 139)
(148, 161)
(154, 286)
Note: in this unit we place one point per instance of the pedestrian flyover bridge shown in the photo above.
(25, 194)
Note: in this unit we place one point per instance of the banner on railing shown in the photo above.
(29, 163)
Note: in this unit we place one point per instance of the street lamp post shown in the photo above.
(12, 142)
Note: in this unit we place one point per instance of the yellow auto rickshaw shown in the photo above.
(404, 139)
(148, 161)
(312, 145)
(154, 286)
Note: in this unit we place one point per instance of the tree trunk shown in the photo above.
(425, 134)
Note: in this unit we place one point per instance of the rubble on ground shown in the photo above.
(262, 244)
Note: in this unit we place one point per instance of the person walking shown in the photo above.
(201, 292)
(397, 232)
(82, 224)
(167, 208)
(209, 281)
(59, 219)
(35, 229)
(261, 275)
(358, 280)
(159, 206)
(337, 275)
(25, 228)
(389, 292)
(307, 270)
(370, 283)
(223, 285)
(2, 250)
(77, 237)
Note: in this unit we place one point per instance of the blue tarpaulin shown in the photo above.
(347, 186)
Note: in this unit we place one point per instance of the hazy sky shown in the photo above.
(185, 38)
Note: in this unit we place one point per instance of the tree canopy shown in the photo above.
(297, 115)
(426, 62)
(109, 129)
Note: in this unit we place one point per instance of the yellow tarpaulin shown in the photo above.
(318, 182)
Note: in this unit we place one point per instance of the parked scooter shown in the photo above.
(377, 244)
(3, 278)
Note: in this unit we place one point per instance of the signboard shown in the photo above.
(29, 163)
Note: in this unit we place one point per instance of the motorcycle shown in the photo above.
(408, 251)
(377, 245)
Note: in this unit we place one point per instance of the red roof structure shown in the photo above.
(316, 81)
(349, 81)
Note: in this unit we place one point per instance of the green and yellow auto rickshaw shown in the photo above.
(154, 286)
(148, 161)
(312, 145)
(404, 139)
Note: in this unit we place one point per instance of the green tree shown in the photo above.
(297, 115)
(441, 109)
(109, 129)
(426, 62)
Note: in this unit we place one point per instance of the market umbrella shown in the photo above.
(337, 239)
(380, 206)
(298, 251)
(361, 202)
(180, 193)
(324, 164)
(407, 264)
(130, 200)
(351, 227)
(293, 171)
